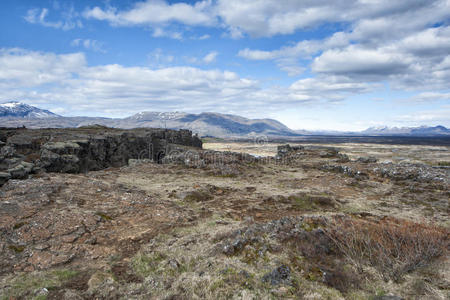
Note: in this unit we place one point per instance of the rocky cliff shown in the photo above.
(24, 151)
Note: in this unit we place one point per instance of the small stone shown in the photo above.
(41, 247)
(173, 263)
(91, 241)
(280, 292)
(41, 292)
(279, 275)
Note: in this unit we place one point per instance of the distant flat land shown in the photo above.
(428, 154)
(333, 139)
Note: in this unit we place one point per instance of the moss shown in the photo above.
(145, 265)
(198, 196)
(252, 254)
(64, 274)
(114, 258)
(18, 225)
(230, 281)
(309, 226)
(301, 202)
(314, 274)
(23, 285)
(104, 216)
(16, 248)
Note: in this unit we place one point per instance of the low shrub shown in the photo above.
(392, 246)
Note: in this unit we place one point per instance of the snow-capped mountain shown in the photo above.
(22, 110)
(408, 131)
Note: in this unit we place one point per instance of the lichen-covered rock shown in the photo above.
(278, 276)
(21, 171)
(346, 170)
(415, 172)
(283, 150)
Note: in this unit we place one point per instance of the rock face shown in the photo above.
(85, 149)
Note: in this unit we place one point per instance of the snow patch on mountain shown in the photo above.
(21, 110)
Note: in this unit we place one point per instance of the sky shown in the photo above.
(311, 64)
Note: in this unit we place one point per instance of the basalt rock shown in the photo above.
(367, 160)
(25, 151)
(4, 177)
(283, 150)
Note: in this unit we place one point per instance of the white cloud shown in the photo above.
(430, 42)
(66, 79)
(39, 16)
(429, 97)
(328, 88)
(303, 49)
(49, 78)
(268, 18)
(437, 116)
(357, 61)
(210, 57)
(257, 54)
(369, 20)
(418, 61)
(22, 68)
(159, 59)
(88, 44)
(155, 12)
(160, 32)
(287, 57)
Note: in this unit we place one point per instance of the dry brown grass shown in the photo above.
(393, 246)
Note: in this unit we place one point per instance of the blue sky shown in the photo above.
(323, 64)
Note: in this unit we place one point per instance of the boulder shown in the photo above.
(4, 177)
(7, 151)
(18, 172)
(21, 171)
(367, 160)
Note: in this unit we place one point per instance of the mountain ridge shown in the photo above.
(22, 110)
(16, 114)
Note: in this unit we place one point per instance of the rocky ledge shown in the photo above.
(24, 151)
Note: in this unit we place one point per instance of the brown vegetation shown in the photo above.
(393, 246)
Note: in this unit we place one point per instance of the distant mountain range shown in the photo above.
(15, 114)
(408, 131)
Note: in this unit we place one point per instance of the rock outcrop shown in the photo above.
(23, 151)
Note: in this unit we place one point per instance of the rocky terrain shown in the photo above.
(310, 222)
(24, 152)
